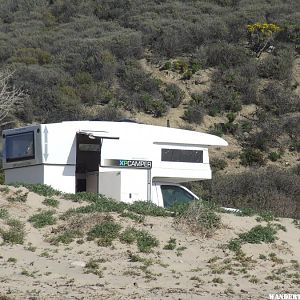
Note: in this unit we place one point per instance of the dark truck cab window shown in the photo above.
(175, 194)
(19, 146)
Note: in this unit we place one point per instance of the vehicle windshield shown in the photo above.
(175, 194)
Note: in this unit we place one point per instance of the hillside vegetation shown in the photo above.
(227, 67)
(70, 55)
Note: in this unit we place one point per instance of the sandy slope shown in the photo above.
(45, 271)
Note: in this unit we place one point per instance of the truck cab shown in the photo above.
(166, 194)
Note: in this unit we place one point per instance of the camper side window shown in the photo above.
(178, 155)
(19, 146)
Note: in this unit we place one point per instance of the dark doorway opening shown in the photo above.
(88, 151)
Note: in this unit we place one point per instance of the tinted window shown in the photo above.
(19, 146)
(175, 194)
(192, 156)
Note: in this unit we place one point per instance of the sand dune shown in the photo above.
(197, 268)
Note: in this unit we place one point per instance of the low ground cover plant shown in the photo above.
(51, 202)
(40, 189)
(105, 232)
(145, 241)
(43, 219)
(256, 235)
(15, 234)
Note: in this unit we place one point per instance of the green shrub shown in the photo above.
(258, 234)
(32, 56)
(92, 267)
(234, 245)
(145, 241)
(272, 189)
(255, 235)
(4, 213)
(83, 77)
(232, 155)
(171, 245)
(40, 189)
(15, 234)
(83, 196)
(296, 223)
(223, 128)
(274, 156)
(105, 232)
(12, 260)
(135, 217)
(101, 204)
(108, 113)
(246, 126)
(278, 66)
(187, 75)
(222, 98)
(225, 55)
(278, 99)
(66, 237)
(153, 106)
(292, 128)
(43, 219)
(173, 95)
(51, 202)
(178, 208)
(250, 157)
(226, 3)
(167, 66)
(148, 208)
(231, 117)
(129, 236)
(267, 136)
(218, 164)
(180, 66)
(194, 113)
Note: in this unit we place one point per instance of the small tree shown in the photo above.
(261, 36)
(9, 95)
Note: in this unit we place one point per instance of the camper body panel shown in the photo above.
(28, 174)
(110, 184)
(127, 185)
(60, 177)
(58, 144)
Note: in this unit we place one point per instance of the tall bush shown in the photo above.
(270, 189)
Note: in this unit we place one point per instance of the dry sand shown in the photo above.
(205, 269)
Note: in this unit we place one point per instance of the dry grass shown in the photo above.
(199, 218)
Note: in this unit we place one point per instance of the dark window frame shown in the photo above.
(20, 158)
(182, 155)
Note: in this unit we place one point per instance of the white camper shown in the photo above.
(122, 160)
